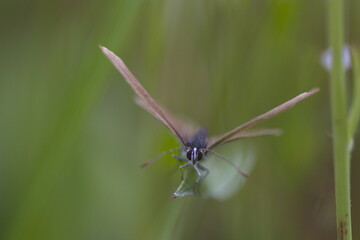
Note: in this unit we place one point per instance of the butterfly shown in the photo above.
(196, 145)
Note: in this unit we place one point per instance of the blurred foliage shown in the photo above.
(72, 138)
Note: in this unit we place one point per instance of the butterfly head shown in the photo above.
(195, 154)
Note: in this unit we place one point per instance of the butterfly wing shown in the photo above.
(186, 130)
(147, 102)
(248, 134)
(232, 135)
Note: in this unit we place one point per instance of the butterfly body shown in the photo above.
(194, 150)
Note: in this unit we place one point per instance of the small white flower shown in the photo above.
(326, 58)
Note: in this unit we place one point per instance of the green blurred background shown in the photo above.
(72, 138)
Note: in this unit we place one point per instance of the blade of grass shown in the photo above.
(354, 116)
(77, 104)
(339, 121)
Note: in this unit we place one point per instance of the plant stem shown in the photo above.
(339, 121)
(354, 114)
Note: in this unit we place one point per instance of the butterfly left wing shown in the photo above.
(231, 135)
(142, 94)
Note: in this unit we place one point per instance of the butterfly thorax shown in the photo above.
(195, 148)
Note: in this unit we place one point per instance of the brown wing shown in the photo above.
(283, 107)
(186, 130)
(142, 94)
(249, 134)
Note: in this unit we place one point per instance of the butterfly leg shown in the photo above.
(207, 171)
(201, 177)
(181, 172)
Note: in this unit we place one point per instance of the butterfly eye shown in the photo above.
(189, 154)
(200, 155)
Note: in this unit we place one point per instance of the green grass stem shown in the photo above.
(354, 116)
(340, 121)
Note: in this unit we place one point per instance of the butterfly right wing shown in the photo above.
(147, 102)
(282, 107)
(186, 130)
(248, 134)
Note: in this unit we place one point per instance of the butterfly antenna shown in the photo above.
(229, 162)
(145, 164)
